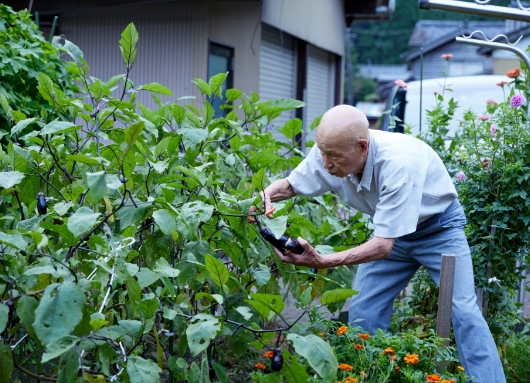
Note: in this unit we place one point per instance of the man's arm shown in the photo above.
(375, 249)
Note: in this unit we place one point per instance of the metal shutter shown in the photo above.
(277, 75)
(320, 86)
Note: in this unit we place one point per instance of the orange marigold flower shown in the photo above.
(396, 369)
(268, 354)
(363, 336)
(389, 351)
(393, 358)
(513, 73)
(448, 381)
(321, 334)
(349, 379)
(345, 367)
(433, 378)
(362, 373)
(460, 368)
(411, 358)
(358, 346)
(342, 330)
(260, 366)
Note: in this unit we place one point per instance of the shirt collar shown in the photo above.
(368, 168)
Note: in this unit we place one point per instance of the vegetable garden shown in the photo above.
(127, 255)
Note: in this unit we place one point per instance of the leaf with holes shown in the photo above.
(59, 311)
(201, 331)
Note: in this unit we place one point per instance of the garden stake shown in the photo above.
(445, 300)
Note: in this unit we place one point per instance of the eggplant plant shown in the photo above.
(125, 250)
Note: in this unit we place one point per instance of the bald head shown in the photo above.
(343, 138)
(341, 126)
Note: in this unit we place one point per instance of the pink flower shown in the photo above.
(517, 100)
(502, 83)
(484, 117)
(401, 84)
(460, 176)
(447, 56)
(493, 130)
(491, 102)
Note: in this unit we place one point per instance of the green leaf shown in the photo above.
(216, 83)
(134, 291)
(15, 240)
(9, 179)
(61, 208)
(266, 304)
(220, 371)
(22, 125)
(97, 321)
(203, 86)
(132, 132)
(318, 353)
(164, 268)
(157, 88)
(4, 316)
(58, 347)
(26, 307)
(6, 361)
(337, 295)
(128, 42)
(59, 311)
(165, 220)
(45, 88)
(82, 220)
(292, 128)
(142, 371)
(277, 225)
(295, 372)
(192, 137)
(56, 127)
(281, 105)
(148, 306)
(217, 270)
(5, 105)
(233, 94)
(258, 179)
(68, 366)
(73, 51)
(261, 274)
(201, 332)
(146, 277)
(84, 159)
(179, 113)
(245, 312)
(98, 185)
(198, 209)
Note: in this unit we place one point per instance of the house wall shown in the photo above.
(319, 22)
(465, 61)
(173, 40)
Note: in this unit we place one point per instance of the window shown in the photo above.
(220, 60)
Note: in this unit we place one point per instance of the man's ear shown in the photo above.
(363, 144)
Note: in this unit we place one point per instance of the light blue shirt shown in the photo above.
(404, 182)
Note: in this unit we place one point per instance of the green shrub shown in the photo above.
(516, 354)
(24, 54)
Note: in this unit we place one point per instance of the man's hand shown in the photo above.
(309, 257)
(277, 191)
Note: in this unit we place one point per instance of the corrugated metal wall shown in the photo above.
(320, 86)
(173, 40)
(277, 70)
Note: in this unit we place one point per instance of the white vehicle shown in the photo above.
(470, 92)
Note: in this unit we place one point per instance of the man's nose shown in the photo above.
(327, 163)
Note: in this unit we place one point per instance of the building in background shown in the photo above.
(437, 37)
(276, 48)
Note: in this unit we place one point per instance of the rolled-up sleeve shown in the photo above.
(308, 178)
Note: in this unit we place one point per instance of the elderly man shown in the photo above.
(403, 184)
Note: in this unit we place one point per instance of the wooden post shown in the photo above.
(445, 299)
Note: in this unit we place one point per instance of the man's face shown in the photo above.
(341, 159)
